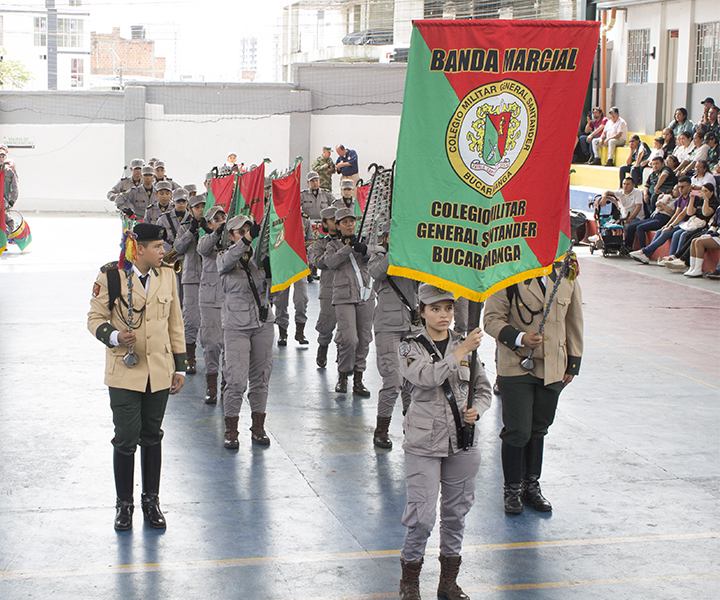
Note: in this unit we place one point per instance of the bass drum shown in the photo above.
(14, 221)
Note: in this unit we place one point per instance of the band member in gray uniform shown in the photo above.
(160, 175)
(326, 318)
(247, 320)
(354, 301)
(300, 300)
(313, 200)
(434, 462)
(128, 183)
(395, 311)
(163, 204)
(186, 246)
(529, 398)
(170, 220)
(135, 201)
(211, 299)
(346, 200)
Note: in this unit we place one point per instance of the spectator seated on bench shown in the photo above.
(671, 230)
(699, 151)
(664, 210)
(637, 161)
(701, 177)
(593, 129)
(614, 134)
(680, 123)
(670, 142)
(661, 180)
(683, 148)
(700, 245)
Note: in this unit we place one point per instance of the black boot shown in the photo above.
(124, 469)
(258, 429)
(448, 589)
(341, 386)
(380, 437)
(321, 359)
(211, 390)
(358, 387)
(231, 433)
(410, 582)
(300, 333)
(512, 464)
(282, 340)
(191, 362)
(532, 495)
(151, 459)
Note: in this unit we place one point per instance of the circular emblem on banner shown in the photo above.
(491, 134)
(280, 237)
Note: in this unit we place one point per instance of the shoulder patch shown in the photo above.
(403, 349)
(464, 363)
(96, 289)
(108, 266)
(409, 360)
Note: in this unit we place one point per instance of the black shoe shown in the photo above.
(610, 162)
(511, 498)
(321, 359)
(123, 514)
(191, 361)
(595, 161)
(151, 511)
(381, 439)
(341, 386)
(358, 387)
(532, 496)
(282, 340)
(715, 274)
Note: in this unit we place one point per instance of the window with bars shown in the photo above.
(70, 33)
(40, 31)
(76, 72)
(707, 53)
(637, 55)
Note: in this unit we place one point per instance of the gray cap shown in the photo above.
(137, 163)
(180, 194)
(190, 187)
(163, 185)
(213, 211)
(429, 294)
(195, 200)
(342, 213)
(347, 184)
(153, 160)
(148, 170)
(328, 213)
(237, 222)
(208, 176)
(312, 175)
(159, 164)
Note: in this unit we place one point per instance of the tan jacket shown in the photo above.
(429, 424)
(562, 347)
(160, 345)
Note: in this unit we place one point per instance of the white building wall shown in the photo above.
(71, 168)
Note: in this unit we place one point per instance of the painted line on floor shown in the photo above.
(325, 557)
(645, 360)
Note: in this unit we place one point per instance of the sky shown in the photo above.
(199, 38)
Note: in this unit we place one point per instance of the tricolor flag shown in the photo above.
(490, 114)
(251, 193)
(288, 259)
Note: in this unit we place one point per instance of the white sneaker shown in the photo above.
(676, 264)
(639, 256)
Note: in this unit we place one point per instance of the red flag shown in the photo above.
(363, 192)
(252, 193)
(221, 191)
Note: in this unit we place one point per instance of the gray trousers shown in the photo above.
(248, 364)
(454, 478)
(191, 311)
(461, 315)
(181, 291)
(300, 301)
(354, 334)
(386, 351)
(326, 322)
(211, 337)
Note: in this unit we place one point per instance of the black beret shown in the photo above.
(146, 232)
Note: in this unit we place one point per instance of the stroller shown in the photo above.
(610, 230)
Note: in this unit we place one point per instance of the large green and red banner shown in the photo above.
(490, 114)
(288, 258)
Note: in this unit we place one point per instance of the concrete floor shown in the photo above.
(631, 464)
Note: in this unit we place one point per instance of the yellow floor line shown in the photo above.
(325, 557)
(673, 371)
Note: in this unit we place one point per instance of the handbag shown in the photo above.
(692, 224)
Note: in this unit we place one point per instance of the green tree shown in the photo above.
(13, 73)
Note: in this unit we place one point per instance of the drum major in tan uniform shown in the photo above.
(139, 394)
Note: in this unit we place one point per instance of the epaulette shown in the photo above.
(305, 216)
(108, 266)
(409, 338)
(167, 266)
